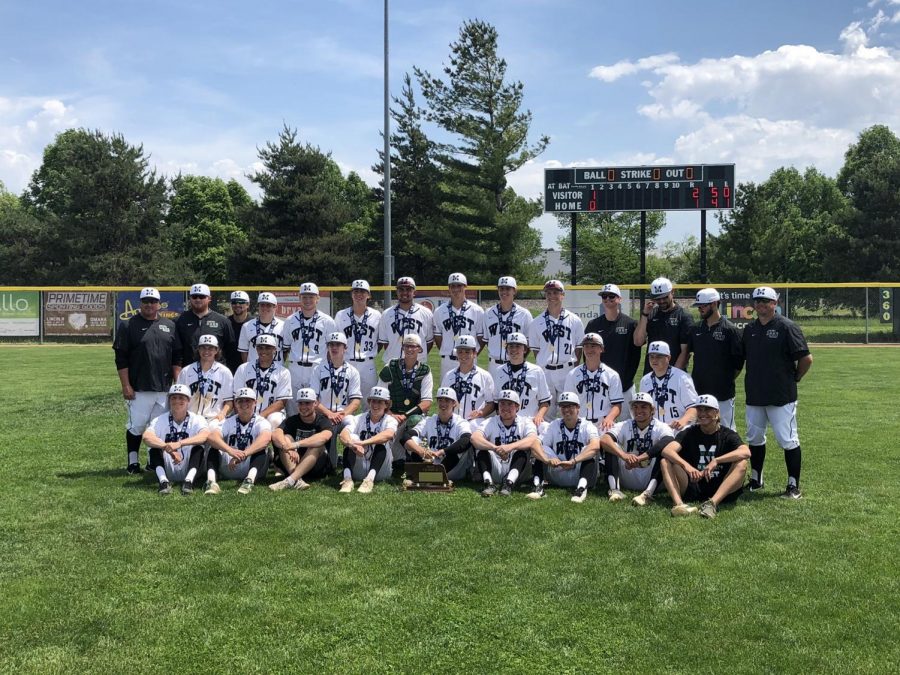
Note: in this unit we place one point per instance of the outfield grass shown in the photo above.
(99, 574)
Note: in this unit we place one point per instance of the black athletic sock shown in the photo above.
(483, 461)
(519, 459)
(589, 472)
(537, 471)
(260, 462)
(132, 445)
(379, 453)
(757, 459)
(611, 466)
(156, 458)
(450, 461)
(792, 461)
(349, 458)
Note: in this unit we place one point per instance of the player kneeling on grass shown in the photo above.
(706, 461)
(270, 380)
(632, 449)
(176, 440)
(671, 388)
(502, 446)
(302, 441)
(210, 383)
(238, 449)
(567, 452)
(366, 439)
(443, 438)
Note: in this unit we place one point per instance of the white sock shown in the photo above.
(190, 476)
(161, 474)
(290, 481)
(651, 487)
(613, 483)
(792, 482)
(754, 475)
(251, 474)
(582, 483)
(537, 481)
(513, 475)
(211, 475)
(486, 476)
(132, 458)
(370, 475)
(348, 474)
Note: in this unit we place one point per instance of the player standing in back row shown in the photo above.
(777, 359)
(663, 319)
(405, 318)
(305, 339)
(359, 324)
(501, 321)
(453, 319)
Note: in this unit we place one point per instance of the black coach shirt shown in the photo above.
(191, 327)
(718, 357)
(698, 448)
(232, 356)
(148, 349)
(772, 351)
(673, 327)
(296, 428)
(619, 351)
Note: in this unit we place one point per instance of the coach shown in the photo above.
(777, 359)
(148, 358)
(199, 320)
(664, 319)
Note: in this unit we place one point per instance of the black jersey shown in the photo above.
(672, 327)
(772, 351)
(698, 448)
(718, 357)
(191, 327)
(619, 351)
(232, 355)
(297, 429)
(148, 349)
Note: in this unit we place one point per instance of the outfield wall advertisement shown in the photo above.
(76, 313)
(20, 314)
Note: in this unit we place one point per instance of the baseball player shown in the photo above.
(503, 446)
(718, 350)
(240, 315)
(501, 321)
(210, 383)
(199, 320)
(302, 441)
(662, 319)
(405, 318)
(555, 338)
(671, 388)
(453, 319)
(527, 380)
(777, 359)
(238, 449)
(175, 440)
(148, 360)
(265, 323)
(598, 387)
(619, 350)
(359, 323)
(337, 386)
(567, 452)
(694, 464)
(305, 334)
(632, 449)
(366, 438)
(443, 438)
(410, 384)
(474, 386)
(271, 381)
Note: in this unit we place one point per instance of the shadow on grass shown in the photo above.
(93, 473)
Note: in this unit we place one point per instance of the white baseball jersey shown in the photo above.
(435, 435)
(361, 332)
(564, 443)
(210, 389)
(555, 340)
(272, 384)
(336, 387)
(496, 432)
(496, 326)
(168, 430)
(450, 322)
(473, 389)
(397, 322)
(529, 382)
(307, 339)
(598, 390)
(363, 428)
(241, 436)
(252, 329)
(673, 393)
(635, 441)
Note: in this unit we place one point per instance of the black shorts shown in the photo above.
(705, 489)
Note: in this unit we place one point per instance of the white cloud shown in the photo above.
(27, 124)
(623, 68)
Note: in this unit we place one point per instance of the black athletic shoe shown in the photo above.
(755, 485)
(490, 489)
(507, 489)
(148, 468)
(579, 495)
(134, 469)
(537, 492)
(187, 488)
(165, 488)
(792, 492)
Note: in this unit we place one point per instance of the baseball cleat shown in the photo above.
(346, 485)
(507, 489)
(165, 488)
(187, 488)
(792, 492)
(211, 488)
(279, 486)
(366, 486)
(537, 492)
(708, 509)
(683, 510)
(246, 487)
(580, 495)
(616, 495)
(489, 490)
(642, 499)
(754, 485)
(301, 484)
(134, 469)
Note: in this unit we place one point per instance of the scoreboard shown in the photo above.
(688, 187)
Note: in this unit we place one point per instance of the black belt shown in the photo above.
(305, 365)
(449, 356)
(561, 365)
(499, 362)
(368, 358)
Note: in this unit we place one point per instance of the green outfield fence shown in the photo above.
(835, 313)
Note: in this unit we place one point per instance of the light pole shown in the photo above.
(388, 259)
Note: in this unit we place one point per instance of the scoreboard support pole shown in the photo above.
(573, 264)
(703, 246)
(643, 254)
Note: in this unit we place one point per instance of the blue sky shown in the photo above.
(201, 85)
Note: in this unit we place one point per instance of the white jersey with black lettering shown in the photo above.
(598, 390)
(673, 393)
(436, 435)
(555, 340)
(307, 338)
(497, 325)
(496, 432)
(271, 384)
(636, 441)
(473, 389)
(397, 322)
(451, 322)
(560, 441)
(251, 330)
(528, 382)
(336, 387)
(361, 332)
(210, 389)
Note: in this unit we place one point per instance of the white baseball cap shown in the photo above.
(240, 296)
(307, 394)
(309, 288)
(180, 390)
(360, 285)
(706, 296)
(200, 289)
(642, 397)
(509, 395)
(267, 297)
(765, 293)
(406, 281)
(660, 287)
(245, 392)
(509, 282)
(380, 393)
(554, 284)
(659, 347)
(149, 292)
(447, 392)
(412, 339)
(457, 278)
(707, 401)
(592, 339)
(610, 288)
(516, 339)
(466, 342)
(568, 397)
(208, 340)
(266, 340)
(338, 337)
